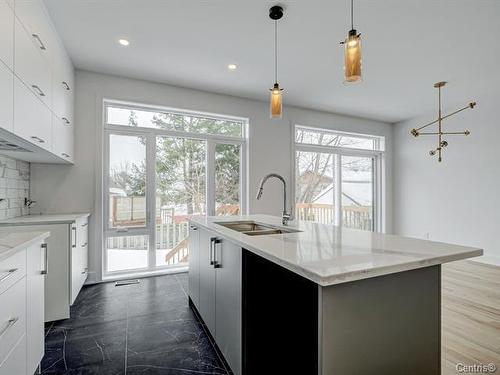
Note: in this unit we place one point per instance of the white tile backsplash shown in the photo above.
(14, 187)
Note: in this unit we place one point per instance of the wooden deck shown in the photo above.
(471, 315)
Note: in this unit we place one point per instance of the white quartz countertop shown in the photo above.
(329, 255)
(44, 219)
(12, 241)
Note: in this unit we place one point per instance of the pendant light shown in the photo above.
(352, 53)
(276, 96)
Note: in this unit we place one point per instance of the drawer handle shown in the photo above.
(85, 224)
(65, 119)
(40, 140)
(65, 155)
(9, 274)
(66, 86)
(37, 88)
(84, 245)
(10, 323)
(37, 37)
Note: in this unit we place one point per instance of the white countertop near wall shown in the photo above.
(12, 241)
(328, 255)
(44, 219)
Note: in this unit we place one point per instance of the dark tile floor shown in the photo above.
(145, 328)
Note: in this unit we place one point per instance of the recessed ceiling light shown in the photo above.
(123, 42)
(232, 66)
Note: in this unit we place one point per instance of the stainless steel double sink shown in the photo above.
(252, 228)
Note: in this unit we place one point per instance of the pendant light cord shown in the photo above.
(276, 51)
(352, 16)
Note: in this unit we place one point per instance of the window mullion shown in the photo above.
(150, 198)
(210, 177)
(338, 190)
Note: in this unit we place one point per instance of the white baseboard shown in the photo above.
(488, 259)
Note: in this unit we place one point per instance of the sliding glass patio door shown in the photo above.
(127, 227)
(161, 167)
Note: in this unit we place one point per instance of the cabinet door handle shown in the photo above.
(38, 89)
(84, 245)
(9, 274)
(10, 323)
(39, 40)
(216, 261)
(66, 86)
(66, 121)
(85, 270)
(74, 237)
(46, 266)
(193, 227)
(212, 243)
(40, 140)
(65, 155)
(85, 224)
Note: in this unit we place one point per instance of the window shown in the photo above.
(171, 120)
(337, 177)
(163, 166)
(312, 136)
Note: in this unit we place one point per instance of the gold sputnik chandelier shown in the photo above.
(441, 142)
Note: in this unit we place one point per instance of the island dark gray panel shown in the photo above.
(383, 325)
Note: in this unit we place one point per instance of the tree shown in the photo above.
(180, 163)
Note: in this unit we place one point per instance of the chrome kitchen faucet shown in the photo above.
(286, 215)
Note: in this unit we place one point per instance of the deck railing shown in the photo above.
(358, 217)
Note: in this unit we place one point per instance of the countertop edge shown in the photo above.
(23, 245)
(18, 221)
(347, 276)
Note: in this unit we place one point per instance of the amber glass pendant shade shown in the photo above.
(276, 102)
(352, 57)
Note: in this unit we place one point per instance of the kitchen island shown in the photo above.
(318, 299)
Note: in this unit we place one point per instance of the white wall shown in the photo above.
(78, 188)
(458, 200)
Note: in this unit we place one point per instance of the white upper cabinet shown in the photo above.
(63, 86)
(31, 66)
(6, 34)
(35, 20)
(35, 124)
(6, 98)
(62, 138)
(36, 84)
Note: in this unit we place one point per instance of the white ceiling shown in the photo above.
(407, 46)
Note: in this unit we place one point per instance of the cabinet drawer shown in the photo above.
(12, 269)
(12, 317)
(16, 361)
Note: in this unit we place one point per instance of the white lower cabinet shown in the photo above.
(67, 262)
(22, 310)
(79, 256)
(36, 271)
(207, 279)
(16, 361)
(219, 266)
(194, 265)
